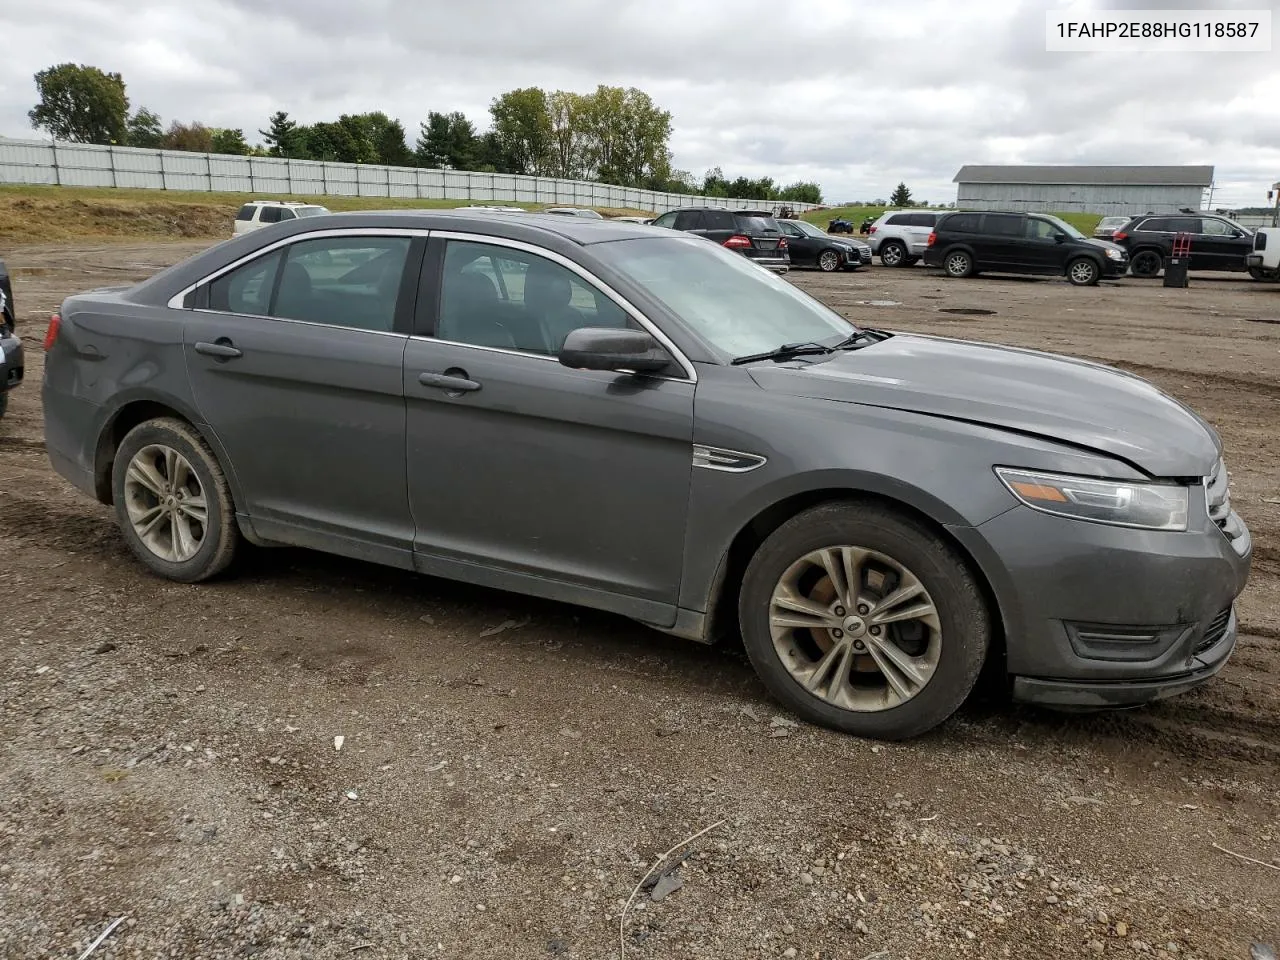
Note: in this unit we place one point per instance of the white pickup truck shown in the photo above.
(1264, 261)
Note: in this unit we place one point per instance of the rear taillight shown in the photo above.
(51, 335)
(782, 244)
(933, 237)
(872, 229)
(737, 242)
(1119, 235)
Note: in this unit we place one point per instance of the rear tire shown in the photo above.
(958, 264)
(4, 402)
(1146, 264)
(1084, 272)
(173, 503)
(893, 253)
(903, 681)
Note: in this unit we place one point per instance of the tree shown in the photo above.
(802, 192)
(81, 104)
(229, 141)
(281, 136)
(522, 126)
(196, 137)
(901, 196)
(390, 146)
(565, 112)
(447, 141)
(144, 129)
(714, 183)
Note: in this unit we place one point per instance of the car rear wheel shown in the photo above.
(4, 402)
(893, 253)
(829, 261)
(1083, 272)
(958, 264)
(173, 502)
(1146, 263)
(862, 619)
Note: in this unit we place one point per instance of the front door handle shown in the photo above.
(222, 349)
(450, 384)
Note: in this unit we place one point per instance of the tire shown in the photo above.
(951, 641)
(160, 519)
(1257, 273)
(893, 253)
(1084, 272)
(1146, 263)
(958, 264)
(4, 402)
(829, 260)
(912, 261)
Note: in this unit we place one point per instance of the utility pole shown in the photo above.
(1274, 195)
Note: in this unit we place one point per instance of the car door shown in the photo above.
(1042, 250)
(918, 227)
(803, 248)
(296, 362)
(1223, 244)
(525, 474)
(1001, 245)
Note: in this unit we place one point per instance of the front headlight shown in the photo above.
(1151, 506)
(1114, 254)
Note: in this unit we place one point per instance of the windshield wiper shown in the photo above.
(785, 352)
(862, 338)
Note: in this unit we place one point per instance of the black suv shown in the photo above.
(754, 233)
(10, 345)
(1216, 242)
(965, 243)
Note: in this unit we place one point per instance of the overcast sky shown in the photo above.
(854, 94)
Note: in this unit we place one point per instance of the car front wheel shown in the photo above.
(862, 619)
(828, 261)
(173, 502)
(1083, 272)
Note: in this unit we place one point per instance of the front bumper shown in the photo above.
(1096, 694)
(857, 257)
(12, 368)
(1097, 615)
(1115, 268)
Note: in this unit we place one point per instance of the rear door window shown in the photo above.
(286, 214)
(688, 219)
(269, 215)
(1184, 224)
(961, 223)
(343, 282)
(1002, 225)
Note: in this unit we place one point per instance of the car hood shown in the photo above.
(1058, 398)
(1104, 244)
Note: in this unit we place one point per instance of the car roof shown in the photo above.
(284, 203)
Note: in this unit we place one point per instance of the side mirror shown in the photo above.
(609, 348)
(1059, 238)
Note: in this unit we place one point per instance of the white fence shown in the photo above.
(89, 165)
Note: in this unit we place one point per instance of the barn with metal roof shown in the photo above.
(1083, 189)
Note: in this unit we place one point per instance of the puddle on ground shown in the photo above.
(878, 303)
(967, 311)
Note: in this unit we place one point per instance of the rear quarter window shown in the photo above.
(1002, 225)
(899, 220)
(246, 212)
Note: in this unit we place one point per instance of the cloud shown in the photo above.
(856, 95)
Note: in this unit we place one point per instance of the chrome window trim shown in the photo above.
(175, 302)
(627, 307)
(305, 323)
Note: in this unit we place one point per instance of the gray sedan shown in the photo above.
(643, 422)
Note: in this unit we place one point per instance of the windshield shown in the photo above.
(737, 307)
(1065, 227)
(310, 211)
(1113, 221)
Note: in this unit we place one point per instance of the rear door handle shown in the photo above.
(441, 381)
(223, 349)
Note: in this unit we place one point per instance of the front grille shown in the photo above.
(1214, 632)
(1217, 491)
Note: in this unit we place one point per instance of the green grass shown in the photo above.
(45, 214)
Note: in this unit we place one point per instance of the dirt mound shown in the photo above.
(58, 216)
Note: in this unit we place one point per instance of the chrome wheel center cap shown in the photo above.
(854, 627)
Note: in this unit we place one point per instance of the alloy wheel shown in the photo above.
(166, 503)
(855, 628)
(829, 260)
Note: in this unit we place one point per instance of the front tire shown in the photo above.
(1146, 264)
(1084, 272)
(860, 618)
(1257, 273)
(829, 261)
(173, 503)
(958, 264)
(893, 254)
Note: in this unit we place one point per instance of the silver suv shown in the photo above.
(900, 237)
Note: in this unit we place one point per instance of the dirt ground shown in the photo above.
(511, 768)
